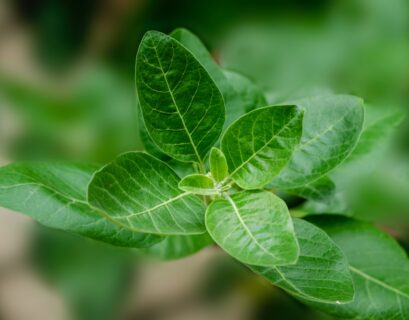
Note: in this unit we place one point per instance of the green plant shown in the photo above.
(229, 194)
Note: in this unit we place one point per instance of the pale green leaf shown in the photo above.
(182, 107)
(141, 192)
(321, 273)
(258, 145)
(177, 247)
(54, 194)
(218, 165)
(254, 227)
(247, 91)
(331, 129)
(380, 270)
(198, 184)
(320, 189)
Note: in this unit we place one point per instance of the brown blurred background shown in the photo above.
(67, 92)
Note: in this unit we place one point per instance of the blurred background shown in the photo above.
(67, 92)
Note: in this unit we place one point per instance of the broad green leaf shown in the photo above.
(182, 107)
(258, 145)
(218, 165)
(321, 273)
(239, 93)
(198, 184)
(54, 194)
(331, 129)
(254, 227)
(317, 190)
(177, 247)
(380, 270)
(141, 192)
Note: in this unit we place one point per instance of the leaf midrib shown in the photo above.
(177, 108)
(237, 212)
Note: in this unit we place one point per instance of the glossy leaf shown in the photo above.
(198, 184)
(331, 129)
(380, 270)
(182, 107)
(259, 144)
(54, 195)
(177, 247)
(141, 192)
(253, 227)
(218, 165)
(321, 272)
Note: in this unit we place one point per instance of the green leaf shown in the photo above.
(259, 144)
(239, 93)
(182, 107)
(54, 194)
(321, 272)
(254, 227)
(198, 184)
(380, 269)
(141, 192)
(177, 247)
(218, 165)
(249, 93)
(331, 129)
(318, 190)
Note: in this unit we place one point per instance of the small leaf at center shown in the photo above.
(198, 184)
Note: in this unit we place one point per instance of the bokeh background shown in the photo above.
(67, 92)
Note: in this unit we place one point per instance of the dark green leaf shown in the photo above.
(259, 144)
(321, 272)
(218, 165)
(54, 195)
(182, 107)
(253, 227)
(141, 192)
(198, 184)
(332, 126)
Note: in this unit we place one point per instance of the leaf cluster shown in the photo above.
(236, 155)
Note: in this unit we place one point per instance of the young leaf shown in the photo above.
(380, 270)
(198, 184)
(254, 227)
(259, 144)
(218, 165)
(54, 194)
(332, 126)
(182, 107)
(321, 273)
(177, 247)
(141, 192)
